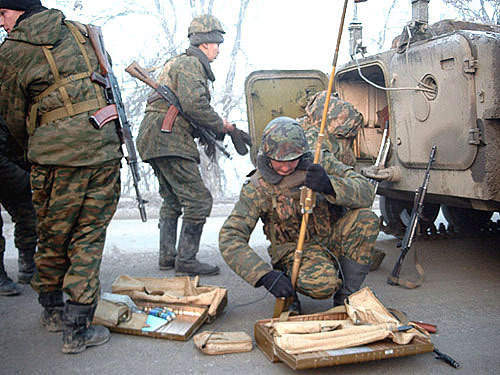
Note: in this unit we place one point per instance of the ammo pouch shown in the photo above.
(69, 109)
(111, 314)
(210, 342)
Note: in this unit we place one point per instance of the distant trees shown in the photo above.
(484, 11)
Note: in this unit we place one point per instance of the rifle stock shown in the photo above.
(114, 98)
(411, 229)
(136, 71)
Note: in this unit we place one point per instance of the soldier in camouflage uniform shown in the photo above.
(15, 197)
(174, 156)
(341, 231)
(46, 98)
(343, 122)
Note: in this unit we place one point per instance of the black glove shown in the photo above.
(317, 179)
(240, 141)
(277, 283)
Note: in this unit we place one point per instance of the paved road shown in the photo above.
(461, 295)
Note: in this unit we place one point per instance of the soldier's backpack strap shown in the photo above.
(69, 109)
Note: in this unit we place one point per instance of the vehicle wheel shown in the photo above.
(466, 220)
(391, 210)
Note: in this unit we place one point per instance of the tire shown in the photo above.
(466, 220)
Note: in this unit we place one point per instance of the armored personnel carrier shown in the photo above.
(438, 85)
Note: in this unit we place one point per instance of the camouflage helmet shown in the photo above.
(283, 139)
(205, 29)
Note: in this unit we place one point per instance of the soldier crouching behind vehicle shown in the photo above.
(46, 98)
(341, 232)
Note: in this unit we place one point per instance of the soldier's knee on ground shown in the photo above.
(322, 288)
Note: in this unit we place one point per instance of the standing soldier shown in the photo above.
(46, 98)
(341, 231)
(15, 197)
(174, 154)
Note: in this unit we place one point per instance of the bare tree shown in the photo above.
(484, 11)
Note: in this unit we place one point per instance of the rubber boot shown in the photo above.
(294, 307)
(377, 258)
(78, 334)
(354, 275)
(26, 265)
(52, 314)
(7, 286)
(189, 244)
(168, 239)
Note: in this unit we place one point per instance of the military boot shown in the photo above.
(53, 307)
(26, 265)
(189, 244)
(354, 275)
(377, 258)
(168, 239)
(7, 286)
(78, 334)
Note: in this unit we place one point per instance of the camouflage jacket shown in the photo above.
(13, 168)
(279, 204)
(25, 74)
(343, 122)
(187, 77)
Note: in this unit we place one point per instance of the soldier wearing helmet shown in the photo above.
(341, 231)
(174, 155)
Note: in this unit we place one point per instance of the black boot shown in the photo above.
(354, 275)
(78, 334)
(52, 314)
(377, 258)
(168, 239)
(189, 244)
(26, 265)
(7, 286)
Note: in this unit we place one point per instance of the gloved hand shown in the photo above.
(317, 179)
(241, 141)
(277, 283)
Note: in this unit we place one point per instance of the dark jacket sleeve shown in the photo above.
(14, 178)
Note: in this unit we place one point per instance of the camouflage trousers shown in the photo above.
(353, 236)
(182, 189)
(74, 206)
(23, 216)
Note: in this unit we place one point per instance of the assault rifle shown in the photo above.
(114, 111)
(135, 70)
(416, 213)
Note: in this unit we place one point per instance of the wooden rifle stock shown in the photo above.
(136, 71)
(411, 229)
(113, 96)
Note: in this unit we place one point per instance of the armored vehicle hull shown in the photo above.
(440, 87)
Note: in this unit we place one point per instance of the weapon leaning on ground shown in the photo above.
(416, 214)
(136, 71)
(114, 111)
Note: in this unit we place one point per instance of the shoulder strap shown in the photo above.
(69, 109)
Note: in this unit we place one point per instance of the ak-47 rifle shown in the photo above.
(135, 70)
(416, 213)
(115, 110)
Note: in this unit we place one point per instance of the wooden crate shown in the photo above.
(371, 352)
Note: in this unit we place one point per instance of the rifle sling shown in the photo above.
(408, 284)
